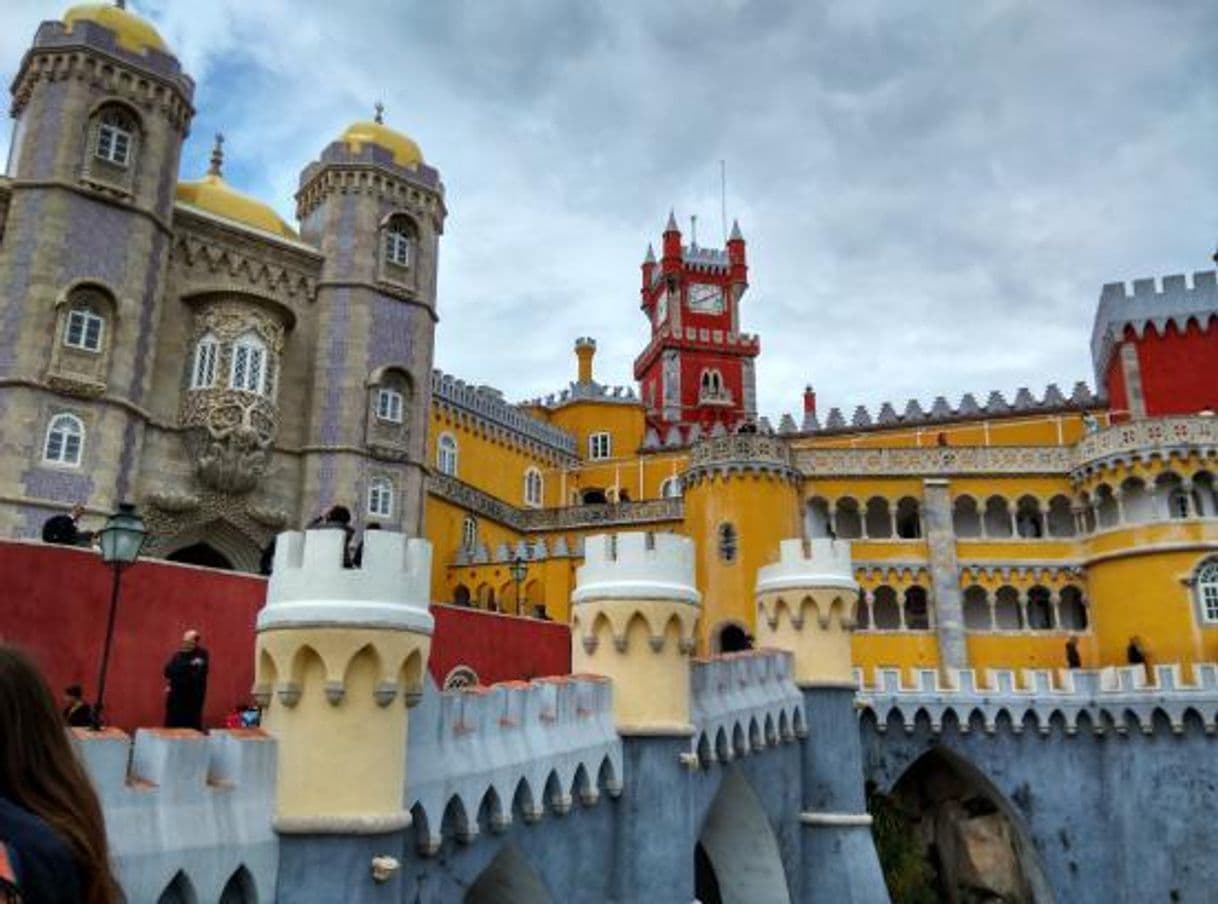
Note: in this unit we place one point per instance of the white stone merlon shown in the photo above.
(179, 801)
(309, 586)
(636, 566)
(814, 563)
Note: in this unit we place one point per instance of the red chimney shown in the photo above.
(809, 401)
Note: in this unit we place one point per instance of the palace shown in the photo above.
(177, 344)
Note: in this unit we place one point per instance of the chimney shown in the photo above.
(809, 401)
(585, 350)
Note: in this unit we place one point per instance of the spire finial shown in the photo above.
(651, 255)
(737, 235)
(379, 118)
(672, 221)
(217, 156)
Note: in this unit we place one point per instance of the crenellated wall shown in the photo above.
(187, 810)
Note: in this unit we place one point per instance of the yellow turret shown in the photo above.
(341, 655)
(634, 610)
(806, 603)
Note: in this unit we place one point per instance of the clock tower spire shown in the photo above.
(697, 368)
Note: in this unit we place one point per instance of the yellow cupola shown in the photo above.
(405, 151)
(131, 32)
(213, 195)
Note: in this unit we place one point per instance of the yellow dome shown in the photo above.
(132, 32)
(215, 196)
(405, 151)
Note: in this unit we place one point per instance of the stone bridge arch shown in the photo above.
(737, 858)
(508, 879)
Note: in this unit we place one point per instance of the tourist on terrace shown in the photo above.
(339, 517)
(186, 673)
(1134, 653)
(76, 712)
(1073, 660)
(64, 529)
(52, 835)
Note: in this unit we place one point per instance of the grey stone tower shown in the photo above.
(101, 108)
(375, 210)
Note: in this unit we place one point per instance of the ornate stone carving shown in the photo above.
(937, 461)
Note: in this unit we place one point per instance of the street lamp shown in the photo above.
(520, 568)
(121, 541)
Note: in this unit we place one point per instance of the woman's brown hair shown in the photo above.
(40, 772)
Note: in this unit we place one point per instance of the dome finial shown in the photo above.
(217, 156)
(379, 118)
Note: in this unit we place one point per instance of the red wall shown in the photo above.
(1179, 370)
(54, 601)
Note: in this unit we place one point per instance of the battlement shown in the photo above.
(940, 411)
(807, 565)
(177, 800)
(487, 754)
(488, 404)
(309, 585)
(636, 565)
(1117, 698)
(1148, 304)
(742, 703)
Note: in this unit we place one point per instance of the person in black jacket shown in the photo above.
(76, 712)
(186, 673)
(64, 530)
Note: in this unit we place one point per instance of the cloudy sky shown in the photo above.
(932, 192)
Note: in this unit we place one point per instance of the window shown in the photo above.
(203, 374)
(83, 330)
(389, 405)
(248, 370)
(599, 446)
(1207, 590)
(114, 138)
(399, 239)
(671, 488)
(380, 497)
(711, 386)
(65, 441)
(532, 487)
(1178, 504)
(446, 454)
(469, 533)
(727, 542)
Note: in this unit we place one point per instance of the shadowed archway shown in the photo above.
(201, 554)
(508, 879)
(737, 859)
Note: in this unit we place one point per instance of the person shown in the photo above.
(1134, 653)
(76, 712)
(186, 673)
(1073, 660)
(53, 845)
(339, 516)
(357, 557)
(64, 530)
(266, 562)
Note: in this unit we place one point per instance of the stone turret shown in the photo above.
(806, 603)
(634, 610)
(341, 655)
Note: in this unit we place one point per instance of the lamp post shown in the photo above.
(122, 539)
(520, 568)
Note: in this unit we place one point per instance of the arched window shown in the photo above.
(460, 677)
(532, 487)
(65, 441)
(115, 141)
(380, 497)
(1207, 590)
(671, 488)
(710, 386)
(247, 371)
(446, 454)
(207, 353)
(389, 405)
(399, 241)
(469, 533)
(727, 542)
(83, 329)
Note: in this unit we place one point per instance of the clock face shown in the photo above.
(705, 299)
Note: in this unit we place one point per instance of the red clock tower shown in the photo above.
(698, 366)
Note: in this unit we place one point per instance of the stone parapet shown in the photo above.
(177, 801)
(939, 461)
(1145, 439)
(743, 703)
(812, 563)
(636, 566)
(309, 586)
(488, 405)
(1113, 699)
(490, 755)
